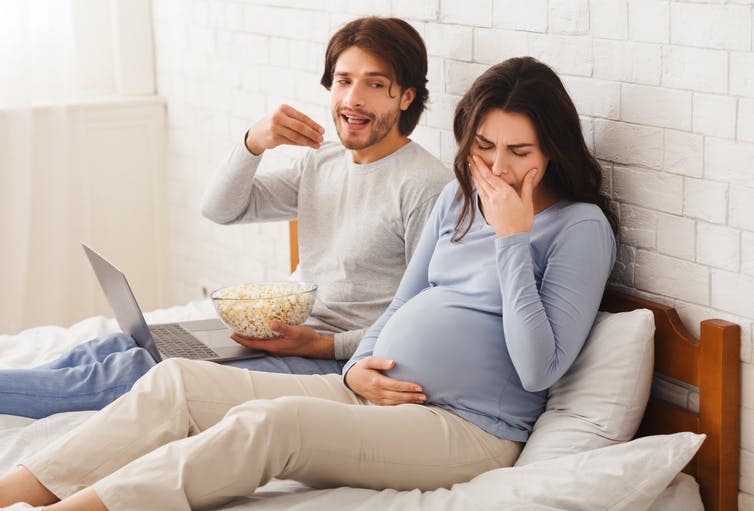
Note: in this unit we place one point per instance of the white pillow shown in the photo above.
(601, 399)
(623, 477)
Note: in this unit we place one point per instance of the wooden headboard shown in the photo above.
(711, 365)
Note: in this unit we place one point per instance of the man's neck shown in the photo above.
(381, 149)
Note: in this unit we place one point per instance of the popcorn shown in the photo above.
(248, 309)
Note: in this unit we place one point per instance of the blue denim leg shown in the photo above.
(95, 350)
(290, 365)
(43, 391)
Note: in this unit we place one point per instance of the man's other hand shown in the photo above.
(301, 341)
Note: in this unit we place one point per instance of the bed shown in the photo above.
(695, 389)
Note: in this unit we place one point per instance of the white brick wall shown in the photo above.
(715, 115)
(664, 88)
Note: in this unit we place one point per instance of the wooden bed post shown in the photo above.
(719, 397)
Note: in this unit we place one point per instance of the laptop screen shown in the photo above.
(122, 301)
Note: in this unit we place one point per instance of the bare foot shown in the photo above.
(20, 485)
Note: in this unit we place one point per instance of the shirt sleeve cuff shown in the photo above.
(346, 343)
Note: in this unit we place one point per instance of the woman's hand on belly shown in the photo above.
(366, 379)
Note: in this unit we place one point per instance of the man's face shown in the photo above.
(366, 102)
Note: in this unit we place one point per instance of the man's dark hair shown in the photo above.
(395, 42)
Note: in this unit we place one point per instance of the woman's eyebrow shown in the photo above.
(483, 139)
(510, 146)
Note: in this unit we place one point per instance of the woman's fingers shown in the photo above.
(527, 188)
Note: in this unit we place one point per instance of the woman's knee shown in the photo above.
(167, 377)
(280, 414)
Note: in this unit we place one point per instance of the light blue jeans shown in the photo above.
(97, 372)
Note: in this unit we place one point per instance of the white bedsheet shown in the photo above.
(21, 436)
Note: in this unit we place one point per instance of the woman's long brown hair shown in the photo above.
(526, 86)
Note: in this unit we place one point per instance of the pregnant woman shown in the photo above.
(493, 308)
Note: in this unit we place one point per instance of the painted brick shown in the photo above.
(628, 143)
(683, 153)
(357, 7)
(742, 207)
(460, 75)
(742, 74)
(649, 20)
(279, 81)
(746, 119)
(745, 502)
(528, 15)
(725, 160)
(718, 246)
(666, 275)
(289, 23)
(587, 131)
(307, 56)
(448, 148)
(656, 106)
(449, 41)
(638, 226)
(676, 236)
(234, 16)
(298, 4)
(694, 69)
(627, 61)
(435, 75)
(747, 253)
(308, 89)
(711, 26)
(625, 265)
(594, 97)
(428, 138)
(747, 429)
(747, 381)
(440, 110)
(495, 45)
(469, 12)
(565, 54)
(746, 477)
(746, 340)
(648, 188)
(706, 200)
(279, 51)
(571, 17)
(606, 187)
(714, 115)
(732, 292)
(426, 10)
(247, 48)
(608, 19)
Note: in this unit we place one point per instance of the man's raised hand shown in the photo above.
(285, 125)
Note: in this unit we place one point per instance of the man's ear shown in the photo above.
(407, 98)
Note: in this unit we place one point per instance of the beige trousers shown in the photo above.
(193, 435)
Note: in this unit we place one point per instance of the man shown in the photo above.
(361, 206)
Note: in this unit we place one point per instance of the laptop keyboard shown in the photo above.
(175, 341)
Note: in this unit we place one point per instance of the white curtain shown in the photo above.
(53, 53)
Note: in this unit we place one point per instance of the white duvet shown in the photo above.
(536, 486)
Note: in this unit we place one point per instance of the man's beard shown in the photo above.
(379, 129)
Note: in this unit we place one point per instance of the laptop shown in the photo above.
(200, 340)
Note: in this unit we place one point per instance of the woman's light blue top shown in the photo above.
(487, 324)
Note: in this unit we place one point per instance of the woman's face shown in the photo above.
(507, 143)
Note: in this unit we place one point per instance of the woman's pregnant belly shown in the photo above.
(456, 353)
